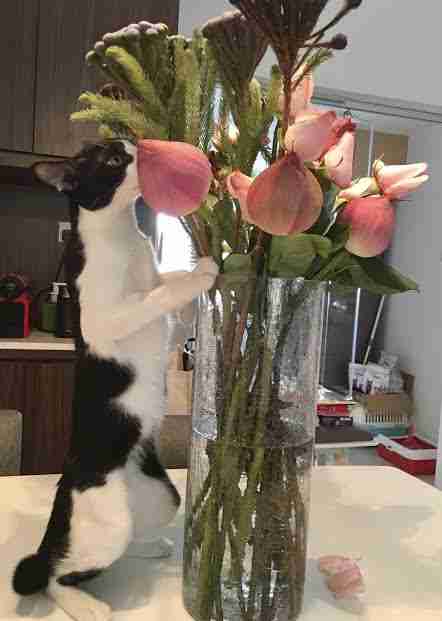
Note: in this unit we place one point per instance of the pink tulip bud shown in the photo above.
(331, 565)
(238, 185)
(398, 181)
(302, 93)
(344, 577)
(309, 136)
(371, 220)
(338, 157)
(174, 177)
(346, 583)
(285, 198)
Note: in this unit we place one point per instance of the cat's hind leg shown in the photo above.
(154, 502)
(101, 527)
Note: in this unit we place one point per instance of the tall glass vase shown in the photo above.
(253, 424)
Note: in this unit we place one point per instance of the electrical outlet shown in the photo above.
(62, 228)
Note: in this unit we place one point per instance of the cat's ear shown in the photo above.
(59, 175)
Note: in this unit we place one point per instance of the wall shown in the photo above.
(413, 327)
(392, 51)
(29, 232)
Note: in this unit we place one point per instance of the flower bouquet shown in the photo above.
(203, 122)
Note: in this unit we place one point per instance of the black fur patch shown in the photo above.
(102, 435)
(92, 179)
(76, 577)
(31, 575)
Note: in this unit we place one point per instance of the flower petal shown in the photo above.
(309, 137)
(402, 188)
(339, 160)
(371, 220)
(174, 177)
(238, 186)
(389, 175)
(301, 94)
(346, 583)
(286, 198)
(331, 565)
(364, 186)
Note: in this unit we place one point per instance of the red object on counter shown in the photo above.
(410, 454)
(15, 303)
(333, 409)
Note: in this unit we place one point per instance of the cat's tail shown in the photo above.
(31, 575)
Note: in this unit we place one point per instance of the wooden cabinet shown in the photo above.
(39, 385)
(43, 70)
(67, 31)
(18, 49)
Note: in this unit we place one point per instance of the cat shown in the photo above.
(113, 488)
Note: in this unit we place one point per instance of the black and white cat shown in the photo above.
(113, 488)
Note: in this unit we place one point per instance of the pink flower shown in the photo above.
(371, 221)
(311, 128)
(174, 177)
(338, 157)
(347, 583)
(331, 565)
(301, 93)
(310, 134)
(238, 185)
(397, 181)
(344, 576)
(284, 199)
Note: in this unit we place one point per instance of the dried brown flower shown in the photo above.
(238, 46)
(288, 24)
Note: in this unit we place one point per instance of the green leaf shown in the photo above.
(238, 263)
(338, 235)
(292, 256)
(330, 191)
(371, 274)
(384, 278)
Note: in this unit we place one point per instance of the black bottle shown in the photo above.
(63, 323)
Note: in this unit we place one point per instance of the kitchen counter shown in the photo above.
(38, 341)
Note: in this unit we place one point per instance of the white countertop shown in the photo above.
(388, 519)
(43, 341)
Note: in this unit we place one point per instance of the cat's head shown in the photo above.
(93, 177)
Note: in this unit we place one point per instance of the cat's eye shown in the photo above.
(115, 160)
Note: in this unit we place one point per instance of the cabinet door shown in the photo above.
(18, 48)
(67, 31)
(47, 422)
(12, 396)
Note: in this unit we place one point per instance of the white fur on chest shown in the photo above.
(120, 269)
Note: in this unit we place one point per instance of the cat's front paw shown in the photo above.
(206, 266)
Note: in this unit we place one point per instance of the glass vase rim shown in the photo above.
(247, 277)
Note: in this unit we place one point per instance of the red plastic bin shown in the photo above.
(409, 453)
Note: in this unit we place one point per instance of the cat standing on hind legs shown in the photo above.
(113, 488)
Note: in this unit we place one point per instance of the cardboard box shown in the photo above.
(389, 406)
